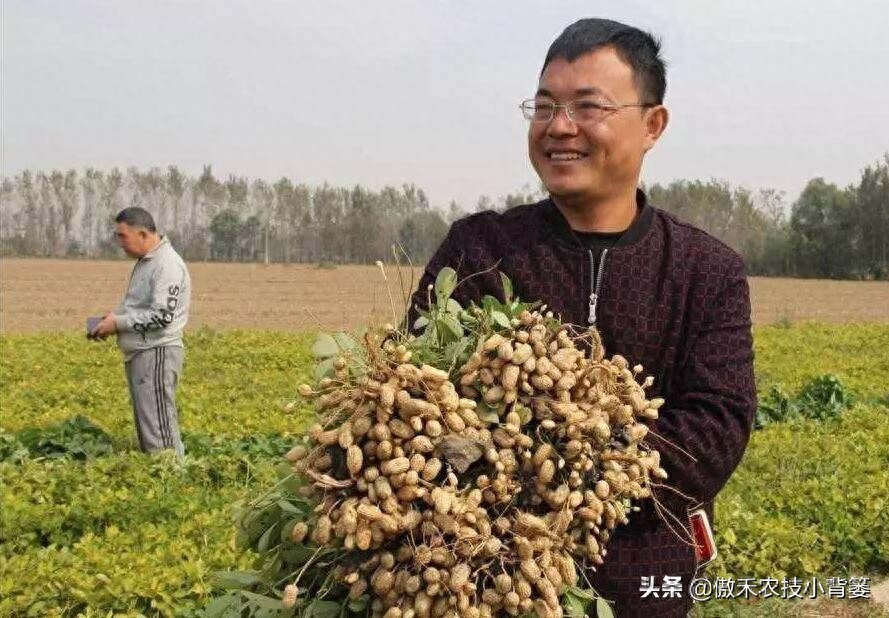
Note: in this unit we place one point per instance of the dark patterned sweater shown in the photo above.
(668, 296)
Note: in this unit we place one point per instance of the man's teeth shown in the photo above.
(565, 156)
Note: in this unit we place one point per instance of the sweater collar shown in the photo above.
(157, 247)
(560, 228)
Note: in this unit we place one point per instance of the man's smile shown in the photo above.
(564, 155)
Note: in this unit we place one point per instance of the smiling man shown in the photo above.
(660, 292)
(592, 153)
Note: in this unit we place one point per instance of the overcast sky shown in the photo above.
(762, 93)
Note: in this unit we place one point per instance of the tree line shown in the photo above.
(66, 214)
(828, 231)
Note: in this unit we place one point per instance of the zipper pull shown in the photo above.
(594, 298)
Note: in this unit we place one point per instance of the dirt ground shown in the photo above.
(43, 294)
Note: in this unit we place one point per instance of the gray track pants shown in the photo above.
(153, 376)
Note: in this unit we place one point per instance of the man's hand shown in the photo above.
(107, 327)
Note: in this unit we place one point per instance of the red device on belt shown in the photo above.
(705, 545)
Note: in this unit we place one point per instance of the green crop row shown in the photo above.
(235, 383)
(789, 357)
(128, 533)
(809, 498)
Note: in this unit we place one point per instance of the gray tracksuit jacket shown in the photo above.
(155, 309)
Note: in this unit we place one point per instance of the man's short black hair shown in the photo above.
(637, 48)
(136, 217)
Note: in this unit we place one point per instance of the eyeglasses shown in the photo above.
(581, 110)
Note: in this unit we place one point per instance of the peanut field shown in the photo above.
(89, 526)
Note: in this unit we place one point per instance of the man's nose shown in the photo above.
(561, 124)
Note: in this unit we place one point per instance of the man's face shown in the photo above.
(590, 160)
(132, 240)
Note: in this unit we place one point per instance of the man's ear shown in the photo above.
(656, 120)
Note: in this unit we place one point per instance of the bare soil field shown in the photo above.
(47, 295)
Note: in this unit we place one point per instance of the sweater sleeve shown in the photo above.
(167, 286)
(710, 409)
